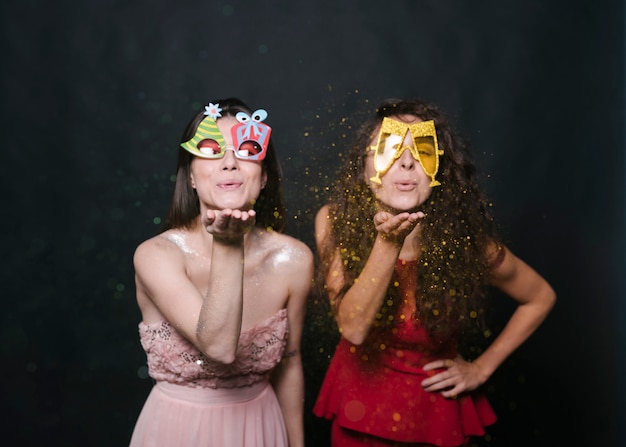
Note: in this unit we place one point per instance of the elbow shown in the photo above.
(218, 349)
(220, 352)
(545, 302)
(353, 335)
(222, 356)
(228, 359)
(551, 300)
(355, 340)
(353, 326)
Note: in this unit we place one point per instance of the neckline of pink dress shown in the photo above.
(280, 314)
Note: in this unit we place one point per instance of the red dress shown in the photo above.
(375, 388)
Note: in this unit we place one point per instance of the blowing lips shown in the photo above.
(229, 185)
(405, 185)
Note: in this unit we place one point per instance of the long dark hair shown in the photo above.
(453, 267)
(185, 206)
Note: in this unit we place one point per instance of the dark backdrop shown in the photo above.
(95, 95)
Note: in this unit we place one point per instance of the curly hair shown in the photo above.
(454, 267)
(185, 206)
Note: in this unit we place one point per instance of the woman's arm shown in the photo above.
(211, 321)
(288, 378)
(535, 298)
(356, 310)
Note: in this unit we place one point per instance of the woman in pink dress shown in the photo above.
(222, 294)
(407, 248)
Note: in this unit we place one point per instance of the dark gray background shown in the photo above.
(95, 96)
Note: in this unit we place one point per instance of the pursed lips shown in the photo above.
(229, 184)
(405, 185)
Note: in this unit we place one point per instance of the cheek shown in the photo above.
(198, 168)
(368, 169)
(192, 176)
(256, 175)
(427, 191)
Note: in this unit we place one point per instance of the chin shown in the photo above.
(397, 208)
(235, 206)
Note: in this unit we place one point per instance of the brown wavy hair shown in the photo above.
(453, 267)
(185, 206)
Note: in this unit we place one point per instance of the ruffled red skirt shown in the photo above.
(382, 396)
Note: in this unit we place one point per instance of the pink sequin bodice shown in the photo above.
(172, 358)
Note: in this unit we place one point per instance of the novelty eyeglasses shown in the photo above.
(250, 136)
(389, 148)
(247, 150)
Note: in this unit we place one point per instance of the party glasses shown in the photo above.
(247, 150)
(250, 136)
(389, 147)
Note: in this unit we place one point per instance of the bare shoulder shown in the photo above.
(160, 248)
(323, 227)
(289, 248)
(504, 264)
(288, 257)
(322, 218)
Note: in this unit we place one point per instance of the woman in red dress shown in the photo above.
(408, 249)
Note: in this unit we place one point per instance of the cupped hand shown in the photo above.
(457, 376)
(228, 225)
(395, 227)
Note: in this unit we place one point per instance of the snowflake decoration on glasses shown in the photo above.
(213, 110)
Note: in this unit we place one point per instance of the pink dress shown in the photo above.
(197, 402)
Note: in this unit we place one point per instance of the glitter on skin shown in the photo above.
(180, 242)
(283, 256)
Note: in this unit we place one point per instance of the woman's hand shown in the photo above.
(458, 376)
(395, 227)
(228, 225)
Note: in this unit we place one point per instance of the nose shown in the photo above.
(229, 161)
(406, 160)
